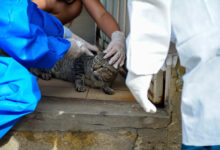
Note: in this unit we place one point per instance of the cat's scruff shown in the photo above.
(93, 71)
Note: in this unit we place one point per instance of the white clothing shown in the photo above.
(149, 37)
(196, 27)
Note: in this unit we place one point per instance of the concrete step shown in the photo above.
(72, 114)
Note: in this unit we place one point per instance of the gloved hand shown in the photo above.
(139, 85)
(86, 44)
(117, 48)
(76, 49)
(78, 45)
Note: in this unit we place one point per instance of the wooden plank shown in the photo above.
(119, 95)
(62, 92)
(156, 91)
(63, 89)
(55, 83)
(53, 114)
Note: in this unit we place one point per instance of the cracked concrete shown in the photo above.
(135, 140)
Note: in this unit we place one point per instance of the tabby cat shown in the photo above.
(93, 71)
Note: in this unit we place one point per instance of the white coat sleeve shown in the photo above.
(149, 38)
(147, 45)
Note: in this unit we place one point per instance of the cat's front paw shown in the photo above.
(108, 90)
(80, 89)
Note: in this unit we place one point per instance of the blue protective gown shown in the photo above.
(33, 38)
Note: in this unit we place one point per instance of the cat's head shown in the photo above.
(102, 69)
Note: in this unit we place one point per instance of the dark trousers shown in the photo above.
(186, 147)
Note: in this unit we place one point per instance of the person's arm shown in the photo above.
(31, 36)
(116, 48)
(147, 45)
(103, 19)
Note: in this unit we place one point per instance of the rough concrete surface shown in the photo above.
(101, 140)
(154, 137)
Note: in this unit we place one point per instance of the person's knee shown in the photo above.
(32, 94)
(19, 88)
(27, 96)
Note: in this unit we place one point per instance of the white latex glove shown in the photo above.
(86, 44)
(139, 85)
(76, 49)
(78, 45)
(117, 48)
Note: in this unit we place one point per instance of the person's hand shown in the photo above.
(76, 49)
(116, 49)
(78, 45)
(139, 85)
(86, 44)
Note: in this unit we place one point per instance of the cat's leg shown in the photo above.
(80, 83)
(44, 74)
(97, 82)
(107, 90)
(79, 77)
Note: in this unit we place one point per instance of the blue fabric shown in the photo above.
(186, 147)
(31, 36)
(19, 93)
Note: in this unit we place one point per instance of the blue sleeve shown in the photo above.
(19, 93)
(31, 36)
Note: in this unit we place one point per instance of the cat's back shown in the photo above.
(64, 69)
(67, 69)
